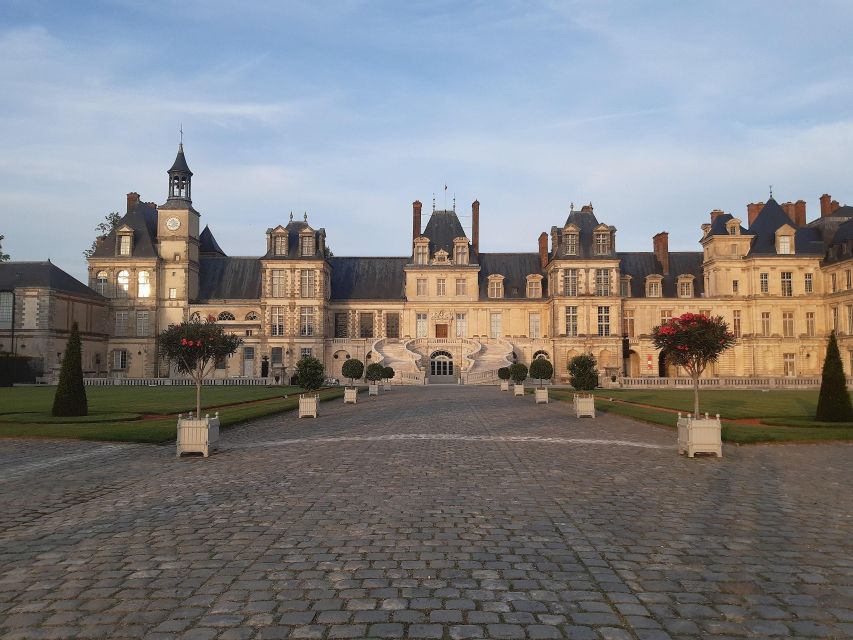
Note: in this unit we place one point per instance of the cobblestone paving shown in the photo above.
(437, 512)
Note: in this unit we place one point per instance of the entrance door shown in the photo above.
(441, 331)
(441, 368)
(392, 325)
(249, 361)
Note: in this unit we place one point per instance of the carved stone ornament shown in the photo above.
(442, 315)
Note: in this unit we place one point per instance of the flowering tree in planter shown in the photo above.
(193, 349)
(693, 341)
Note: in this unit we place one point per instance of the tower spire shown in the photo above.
(180, 176)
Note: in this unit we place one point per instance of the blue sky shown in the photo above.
(656, 112)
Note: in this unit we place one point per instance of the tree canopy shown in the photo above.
(583, 375)
(541, 369)
(310, 373)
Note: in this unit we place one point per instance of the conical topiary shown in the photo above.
(70, 398)
(833, 404)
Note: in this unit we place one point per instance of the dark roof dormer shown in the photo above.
(443, 227)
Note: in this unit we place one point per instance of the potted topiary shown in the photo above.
(503, 374)
(374, 375)
(352, 369)
(70, 398)
(310, 374)
(583, 377)
(541, 369)
(518, 373)
(387, 375)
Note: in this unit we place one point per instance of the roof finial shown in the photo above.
(571, 207)
(291, 216)
(771, 191)
(182, 134)
(305, 217)
(454, 203)
(433, 201)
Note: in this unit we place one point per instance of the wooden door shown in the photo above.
(441, 331)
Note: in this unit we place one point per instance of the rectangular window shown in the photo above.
(763, 282)
(120, 359)
(461, 287)
(307, 283)
(785, 245)
(461, 325)
(307, 246)
(392, 325)
(570, 282)
(460, 254)
(654, 289)
(665, 315)
(173, 293)
(625, 288)
(280, 245)
(250, 333)
(765, 323)
(736, 323)
(572, 244)
(833, 283)
(849, 309)
(628, 323)
(496, 289)
(341, 325)
(143, 285)
(604, 321)
(835, 318)
(787, 283)
(277, 321)
(571, 321)
(534, 288)
(422, 286)
(121, 323)
(808, 283)
(6, 298)
(602, 243)
(533, 321)
(276, 355)
(441, 286)
(735, 287)
(849, 276)
(278, 286)
(124, 246)
(365, 325)
(787, 324)
(421, 254)
(495, 325)
(221, 363)
(141, 323)
(306, 352)
(810, 324)
(602, 282)
(306, 321)
(685, 289)
(788, 359)
(421, 325)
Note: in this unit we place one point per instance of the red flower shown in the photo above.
(183, 341)
(198, 344)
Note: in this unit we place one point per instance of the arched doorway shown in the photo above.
(441, 368)
(663, 368)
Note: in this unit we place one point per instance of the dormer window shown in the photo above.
(534, 286)
(422, 251)
(279, 245)
(784, 245)
(625, 287)
(685, 286)
(733, 227)
(653, 286)
(602, 243)
(307, 246)
(460, 252)
(441, 256)
(124, 244)
(571, 244)
(496, 286)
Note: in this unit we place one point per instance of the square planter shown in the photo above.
(504, 385)
(699, 435)
(308, 406)
(518, 389)
(198, 435)
(350, 395)
(541, 396)
(373, 390)
(584, 405)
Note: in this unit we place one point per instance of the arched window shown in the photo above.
(441, 364)
(195, 317)
(226, 315)
(101, 281)
(541, 355)
(122, 283)
(143, 288)
(252, 315)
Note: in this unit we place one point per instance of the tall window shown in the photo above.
(496, 289)
(788, 360)
(421, 325)
(833, 283)
(276, 356)
(602, 282)
(277, 321)
(308, 287)
(307, 246)
(495, 325)
(849, 309)
(785, 245)
(441, 286)
(665, 315)
(460, 255)
(173, 293)
(6, 298)
(625, 288)
(763, 283)
(533, 325)
(279, 245)
(602, 243)
(788, 323)
(461, 287)
(765, 323)
(534, 288)
(736, 323)
(120, 359)
(124, 245)
(461, 325)
(808, 283)
(121, 323)
(849, 276)
(365, 325)
(278, 283)
(572, 244)
(570, 282)
(810, 324)
(604, 321)
(422, 286)
(306, 321)
(141, 323)
(653, 287)
(392, 325)
(787, 283)
(628, 323)
(571, 321)
(421, 254)
(101, 281)
(735, 287)
(685, 289)
(122, 283)
(143, 285)
(341, 325)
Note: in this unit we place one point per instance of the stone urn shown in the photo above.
(197, 435)
(699, 435)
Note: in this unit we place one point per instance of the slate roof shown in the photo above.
(180, 163)
(294, 227)
(586, 222)
(515, 267)
(208, 244)
(807, 240)
(368, 278)
(441, 229)
(718, 226)
(229, 278)
(639, 264)
(143, 220)
(42, 274)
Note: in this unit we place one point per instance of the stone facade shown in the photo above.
(781, 283)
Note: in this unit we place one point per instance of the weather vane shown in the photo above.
(182, 133)
(771, 191)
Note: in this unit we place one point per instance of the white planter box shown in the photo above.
(584, 406)
(373, 389)
(541, 396)
(386, 386)
(504, 385)
(700, 435)
(350, 395)
(198, 435)
(518, 389)
(308, 406)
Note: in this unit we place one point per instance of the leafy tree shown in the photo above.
(503, 373)
(388, 373)
(310, 373)
(833, 403)
(693, 341)
(541, 369)
(352, 369)
(374, 372)
(518, 373)
(4, 257)
(70, 398)
(583, 375)
(194, 348)
(104, 228)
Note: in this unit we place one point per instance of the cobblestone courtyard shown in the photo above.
(438, 512)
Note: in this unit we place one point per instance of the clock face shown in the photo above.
(173, 224)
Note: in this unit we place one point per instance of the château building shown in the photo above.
(451, 309)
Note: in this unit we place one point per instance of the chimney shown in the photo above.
(416, 218)
(475, 226)
(825, 205)
(132, 201)
(788, 208)
(833, 206)
(716, 213)
(800, 213)
(752, 211)
(543, 250)
(660, 242)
